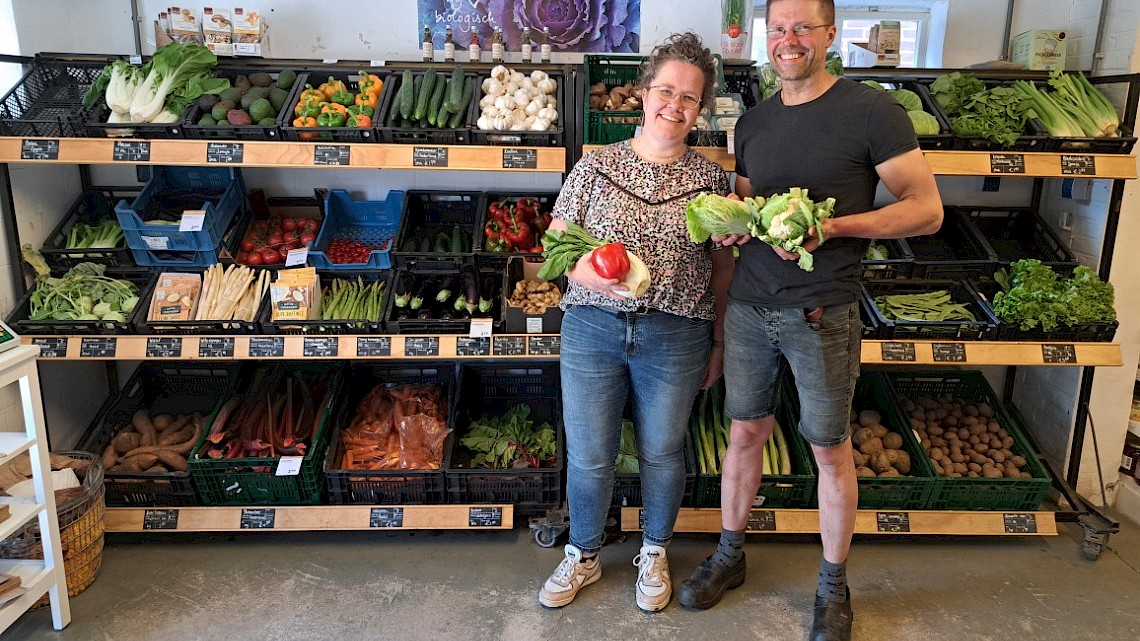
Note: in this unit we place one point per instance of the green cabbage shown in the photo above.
(907, 98)
(874, 85)
(924, 123)
(714, 215)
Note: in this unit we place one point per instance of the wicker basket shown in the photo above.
(80, 529)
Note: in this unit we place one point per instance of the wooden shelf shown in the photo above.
(904, 522)
(531, 346)
(310, 518)
(99, 151)
(981, 163)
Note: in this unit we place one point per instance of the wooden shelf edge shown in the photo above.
(882, 522)
(1044, 353)
(308, 518)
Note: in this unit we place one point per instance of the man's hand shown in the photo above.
(731, 239)
(584, 274)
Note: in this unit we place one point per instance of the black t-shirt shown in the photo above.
(829, 146)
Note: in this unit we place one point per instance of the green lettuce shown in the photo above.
(907, 98)
(714, 215)
(924, 123)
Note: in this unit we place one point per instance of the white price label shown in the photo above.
(534, 325)
(732, 143)
(289, 465)
(330, 61)
(376, 63)
(135, 60)
(298, 256)
(480, 327)
(192, 220)
(156, 242)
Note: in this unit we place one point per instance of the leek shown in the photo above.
(1082, 99)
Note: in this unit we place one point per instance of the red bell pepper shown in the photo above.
(518, 234)
(610, 261)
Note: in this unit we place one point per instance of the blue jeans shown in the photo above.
(660, 358)
(824, 357)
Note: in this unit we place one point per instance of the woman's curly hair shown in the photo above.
(682, 47)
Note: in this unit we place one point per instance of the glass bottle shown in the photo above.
(546, 45)
(428, 49)
(527, 50)
(448, 47)
(473, 48)
(497, 47)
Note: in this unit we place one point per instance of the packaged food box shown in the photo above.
(175, 297)
(217, 27)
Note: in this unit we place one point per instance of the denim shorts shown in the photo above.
(823, 355)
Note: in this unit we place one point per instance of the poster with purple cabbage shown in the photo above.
(586, 26)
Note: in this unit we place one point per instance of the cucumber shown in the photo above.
(457, 118)
(442, 115)
(425, 93)
(455, 90)
(436, 100)
(406, 94)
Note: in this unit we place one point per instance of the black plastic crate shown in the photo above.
(898, 264)
(98, 127)
(429, 213)
(160, 388)
(253, 480)
(627, 487)
(492, 389)
(347, 326)
(1034, 138)
(741, 79)
(19, 320)
(388, 487)
(1085, 332)
(1011, 234)
(326, 134)
(397, 322)
(1120, 144)
(284, 115)
(431, 135)
(198, 327)
(48, 100)
(944, 139)
(974, 493)
(554, 137)
(546, 205)
(91, 207)
(985, 325)
(954, 251)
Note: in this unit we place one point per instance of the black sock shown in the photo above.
(730, 549)
(832, 581)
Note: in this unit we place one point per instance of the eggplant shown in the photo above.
(418, 297)
(402, 289)
(470, 294)
(446, 289)
(487, 294)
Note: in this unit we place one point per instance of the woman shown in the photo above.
(656, 350)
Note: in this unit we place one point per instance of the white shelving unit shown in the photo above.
(18, 367)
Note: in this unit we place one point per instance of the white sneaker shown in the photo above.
(654, 587)
(571, 575)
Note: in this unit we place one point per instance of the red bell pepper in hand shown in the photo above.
(610, 261)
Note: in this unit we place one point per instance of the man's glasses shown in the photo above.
(669, 94)
(800, 30)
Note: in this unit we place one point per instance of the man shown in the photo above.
(836, 138)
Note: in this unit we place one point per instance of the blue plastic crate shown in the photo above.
(370, 221)
(183, 258)
(141, 235)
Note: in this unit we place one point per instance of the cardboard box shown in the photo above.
(885, 37)
(217, 28)
(1039, 49)
(184, 25)
(859, 56)
(518, 322)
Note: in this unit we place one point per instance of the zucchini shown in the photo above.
(436, 100)
(456, 240)
(425, 92)
(457, 118)
(442, 243)
(406, 94)
(455, 90)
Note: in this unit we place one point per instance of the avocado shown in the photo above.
(260, 79)
(207, 101)
(277, 97)
(242, 82)
(255, 93)
(260, 109)
(233, 93)
(218, 112)
(267, 122)
(286, 78)
(207, 121)
(238, 118)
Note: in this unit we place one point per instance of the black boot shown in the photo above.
(832, 620)
(707, 584)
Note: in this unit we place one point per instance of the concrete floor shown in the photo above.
(482, 586)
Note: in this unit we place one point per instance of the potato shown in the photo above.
(957, 457)
(860, 436)
(879, 430)
(859, 457)
(936, 454)
(985, 410)
(964, 433)
(1007, 442)
(889, 472)
(972, 474)
(935, 431)
(864, 471)
(996, 455)
(880, 462)
(917, 424)
(974, 439)
(869, 417)
(981, 447)
(902, 462)
(1018, 461)
(871, 445)
(925, 444)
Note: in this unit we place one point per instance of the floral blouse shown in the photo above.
(616, 195)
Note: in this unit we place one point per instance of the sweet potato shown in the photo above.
(162, 421)
(126, 441)
(176, 437)
(174, 461)
(144, 426)
(181, 448)
(110, 457)
(136, 463)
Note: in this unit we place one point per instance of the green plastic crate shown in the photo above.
(253, 481)
(1000, 494)
(795, 490)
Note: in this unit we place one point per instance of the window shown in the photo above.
(854, 25)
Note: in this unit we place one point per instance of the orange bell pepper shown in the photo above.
(330, 87)
(305, 121)
(310, 94)
(370, 83)
(367, 98)
(359, 120)
(334, 106)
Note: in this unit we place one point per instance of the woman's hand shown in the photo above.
(715, 367)
(732, 239)
(584, 274)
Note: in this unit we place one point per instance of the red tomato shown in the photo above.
(252, 259)
(307, 239)
(275, 238)
(247, 245)
(270, 257)
(283, 253)
(734, 31)
(289, 224)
